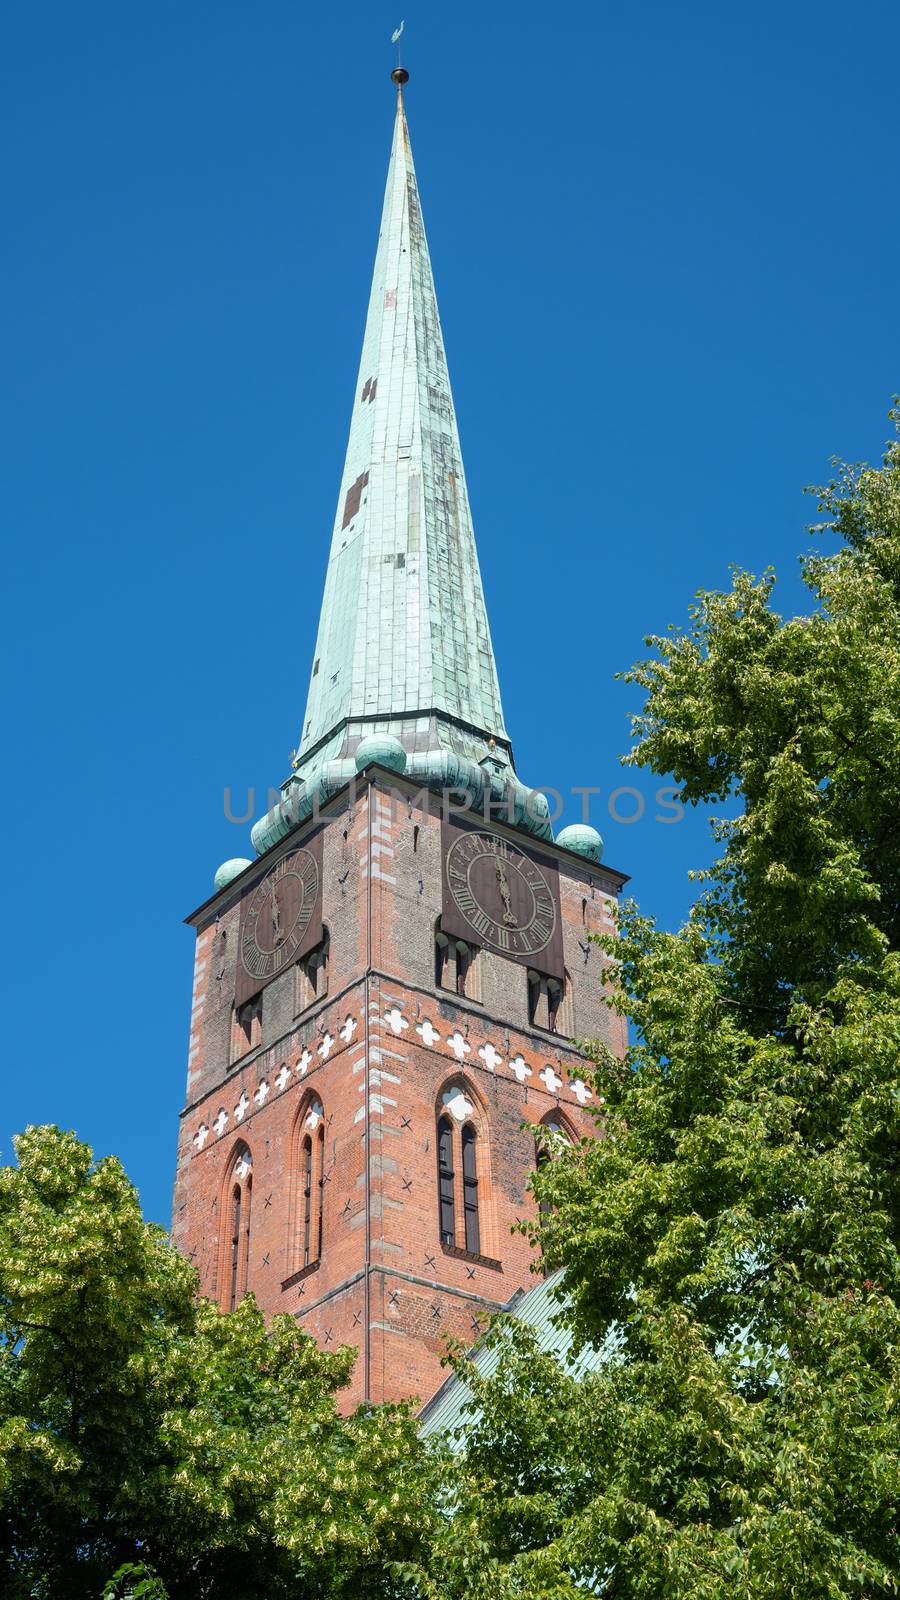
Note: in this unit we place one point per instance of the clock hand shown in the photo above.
(503, 883)
(276, 916)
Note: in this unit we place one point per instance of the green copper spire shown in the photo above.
(403, 648)
(403, 632)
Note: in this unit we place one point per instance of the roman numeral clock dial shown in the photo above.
(501, 894)
(277, 918)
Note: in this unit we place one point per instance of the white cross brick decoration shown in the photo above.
(428, 1033)
(491, 1057)
(395, 1020)
(519, 1068)
(283, 1077)
(551, 1079)
(325, 1046)
(262, 1093)
(581, 1092)
(243, 1166)
(460, 1046)
(304, 1064)
(201, 1136)
(242, 1107)
(314, 1116)
(349, 1029)
(221, 1123)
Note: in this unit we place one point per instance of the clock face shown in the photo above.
(502, 894)
(277, 916)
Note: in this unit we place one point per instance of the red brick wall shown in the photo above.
(376, 1052)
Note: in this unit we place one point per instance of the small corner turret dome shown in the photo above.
(582, 840)
(384, 749)
(228, 871)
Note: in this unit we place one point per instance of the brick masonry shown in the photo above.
(377, 1052)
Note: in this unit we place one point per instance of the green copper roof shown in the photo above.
(449, 1412)
(403, 653)
(403, 643)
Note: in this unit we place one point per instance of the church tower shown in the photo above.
(386, 1000)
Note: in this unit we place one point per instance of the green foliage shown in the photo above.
(800, 720)
(149, 1439)
(737, 1220)
(134, 1581)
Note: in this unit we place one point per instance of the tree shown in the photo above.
(143, 1431)
(737, 1219)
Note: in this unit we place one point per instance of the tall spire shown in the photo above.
(403, 647)
(403, 631)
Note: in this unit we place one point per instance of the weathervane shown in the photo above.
(400, 76)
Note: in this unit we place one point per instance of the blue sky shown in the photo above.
(665, 244)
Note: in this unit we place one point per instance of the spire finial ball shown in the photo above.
(400, 76)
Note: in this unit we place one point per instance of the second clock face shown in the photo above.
(278, 914)
(502, 894)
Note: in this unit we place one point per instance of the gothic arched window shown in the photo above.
(461, 1170)
(545, 1152)
(239, 1193)
(306, 1226)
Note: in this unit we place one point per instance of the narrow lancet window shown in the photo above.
(470, 1190)
(235, 1246)
(307, 1170)
(321, 1190)
(445, 1181)
(308, 1187)
(245, 1242)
